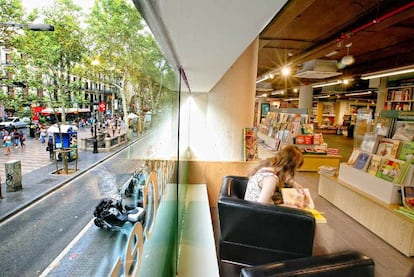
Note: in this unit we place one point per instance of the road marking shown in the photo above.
(65, 251)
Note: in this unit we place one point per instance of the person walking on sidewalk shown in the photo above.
(22, 138)
(7, 143)
(42, 134)
(16, 138)
(50, 147)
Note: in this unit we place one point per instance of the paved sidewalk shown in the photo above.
(38, 179)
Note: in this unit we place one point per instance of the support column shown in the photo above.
(306, 97)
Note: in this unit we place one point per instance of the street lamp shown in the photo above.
(32, 27)
(95, 139)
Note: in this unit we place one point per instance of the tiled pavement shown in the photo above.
(37, 169)
(32, 156)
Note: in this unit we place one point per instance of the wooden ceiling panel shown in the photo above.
(307, 30)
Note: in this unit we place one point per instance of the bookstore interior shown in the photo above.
(377, 181)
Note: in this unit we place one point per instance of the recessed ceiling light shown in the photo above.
(331, 53)
(285, 71)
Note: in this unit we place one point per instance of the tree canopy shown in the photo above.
(112, 36)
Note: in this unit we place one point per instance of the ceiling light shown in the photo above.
(347, 81)
(290, 99)
(358, 93)
(319, 85)
(348, 59)
(331, 53)
(261, 79)
(386, 73)
(285, 71)
(276, 92)
(321, 96)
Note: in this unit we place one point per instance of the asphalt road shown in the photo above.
(31, 240)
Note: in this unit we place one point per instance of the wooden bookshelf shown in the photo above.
(399, 98)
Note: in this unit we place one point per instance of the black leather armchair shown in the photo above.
(342, 264)
(253, 234)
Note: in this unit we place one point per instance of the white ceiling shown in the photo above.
(205, 37)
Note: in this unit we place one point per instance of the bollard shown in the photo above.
(108, 143)
(84, 144)
(13, 175)
(1, 196)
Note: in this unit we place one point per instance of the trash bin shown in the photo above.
(32, 130)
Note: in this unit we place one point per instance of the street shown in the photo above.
(33, 238)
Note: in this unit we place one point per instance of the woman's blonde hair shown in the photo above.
(285, 163)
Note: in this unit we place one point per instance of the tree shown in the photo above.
(47, 59)
(11, 11)
(114, 29)
(128, 55)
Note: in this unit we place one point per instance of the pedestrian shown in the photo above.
(42, 134)
(16, 138)
(7, 140)
(2, 132)
(50, 147)
(22, 138)
(37, 132)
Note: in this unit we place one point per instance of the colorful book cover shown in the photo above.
(406, 151)
(404, 130)
(319, 218)
(362, 161)
(383, 126)
(390, 169)
(388, 148)
(370, 142)
(403, 173)
(374, 164)
(307, 129)
(354, 155)
(408, 196)
(294, 197)
(409, 177)
(250, 144)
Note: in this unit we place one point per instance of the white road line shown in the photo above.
(66, 250)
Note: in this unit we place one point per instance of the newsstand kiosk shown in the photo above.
(68, 142)
(65, 144)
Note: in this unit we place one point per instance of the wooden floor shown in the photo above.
(341, 232)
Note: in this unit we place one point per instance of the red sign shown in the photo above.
(102, 106)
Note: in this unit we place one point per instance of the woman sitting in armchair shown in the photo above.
(271, 175)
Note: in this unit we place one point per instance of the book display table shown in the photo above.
(376, 215)
(311, 162)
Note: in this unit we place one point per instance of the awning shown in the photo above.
(63, 129)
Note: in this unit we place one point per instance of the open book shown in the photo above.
(294, 197)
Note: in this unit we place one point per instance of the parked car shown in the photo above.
(13, 122)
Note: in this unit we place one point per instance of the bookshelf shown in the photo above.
(290, 126)
(399, 98)
(363, 191)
